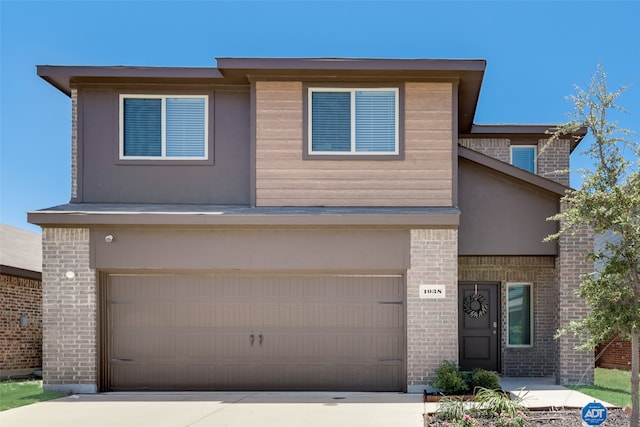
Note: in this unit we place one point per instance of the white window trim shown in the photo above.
(535, 155)
(531, 324)
(163, 127)
(353, 151)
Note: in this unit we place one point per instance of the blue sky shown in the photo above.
(536, 51)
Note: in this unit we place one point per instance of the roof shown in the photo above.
(514, 131)
(468, 73)
(20, 250)
(216, 215)
(512, 171)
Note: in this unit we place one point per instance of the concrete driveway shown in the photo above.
(222, 409)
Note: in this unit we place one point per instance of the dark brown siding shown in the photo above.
(313, 249)
(103, 178)
(503, 216)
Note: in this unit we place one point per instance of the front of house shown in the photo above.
(302, 224)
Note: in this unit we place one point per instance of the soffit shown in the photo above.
(468, 74)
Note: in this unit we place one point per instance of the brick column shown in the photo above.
(553, 159)
(74, 143)
(69, 312)
(432, 324)
(573, 366)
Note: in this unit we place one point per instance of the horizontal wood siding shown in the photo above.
(423, 178)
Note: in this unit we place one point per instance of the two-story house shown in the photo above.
(302, 224)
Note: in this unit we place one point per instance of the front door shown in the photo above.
(478, 325)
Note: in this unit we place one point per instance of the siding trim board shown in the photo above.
(87, 214)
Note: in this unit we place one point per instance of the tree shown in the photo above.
(608, 202)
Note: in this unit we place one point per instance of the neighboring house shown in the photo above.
(20, 302)
(615, 353)
(303, 224)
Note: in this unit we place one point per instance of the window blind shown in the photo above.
(185, 127)
(142, 127)
(375, 121)
(331, 121)
(524, 158)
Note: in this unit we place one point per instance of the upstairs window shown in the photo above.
(163, 127)
(524, 157)
(347, 121)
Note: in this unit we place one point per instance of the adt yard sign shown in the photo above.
(594, 414)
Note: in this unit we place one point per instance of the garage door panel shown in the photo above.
(185, 332)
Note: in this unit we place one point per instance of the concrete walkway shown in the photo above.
(262, 409)
(544, 393)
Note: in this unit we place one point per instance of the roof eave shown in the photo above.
(541, 131)
(512, 171)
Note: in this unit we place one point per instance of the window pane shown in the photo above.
(519, 306)
(331, 121)
(524, 158)
(185, 127)
(375, 121)
(142, 127)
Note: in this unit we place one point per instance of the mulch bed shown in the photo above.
(564, 418)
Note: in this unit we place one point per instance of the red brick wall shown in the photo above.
(20, 346)
(616, 355)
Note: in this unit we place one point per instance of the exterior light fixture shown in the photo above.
(108, 238)
(70, 275)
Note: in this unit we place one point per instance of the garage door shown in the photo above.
(255, 332)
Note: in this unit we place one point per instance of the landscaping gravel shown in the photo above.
(561, 418)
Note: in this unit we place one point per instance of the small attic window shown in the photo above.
(524, 157)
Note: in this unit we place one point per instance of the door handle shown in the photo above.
(260, 340)
(251, 338)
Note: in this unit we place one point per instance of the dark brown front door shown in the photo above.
(478, 325)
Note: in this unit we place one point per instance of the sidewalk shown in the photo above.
(540, 393)
(544, 393)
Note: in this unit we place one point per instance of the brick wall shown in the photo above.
(498, 148)
(616, 354)
(20, 345)
(574, 366)
(74, 143)
(69, 311)
(432, 324)
(552, 159)
(537, 361)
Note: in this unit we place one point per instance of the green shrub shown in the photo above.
(493, 403)
(480, 378)
(449, 379)
(450, 408)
